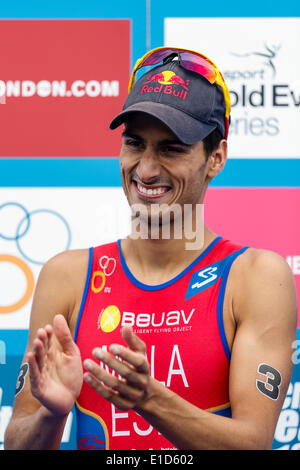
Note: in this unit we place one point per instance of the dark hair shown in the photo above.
(211, 142)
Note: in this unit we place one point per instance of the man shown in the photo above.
(160, 344)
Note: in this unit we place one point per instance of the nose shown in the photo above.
(148, 168)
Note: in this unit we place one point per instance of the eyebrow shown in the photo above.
(162, 142)
(131, 135)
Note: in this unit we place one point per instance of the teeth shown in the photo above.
(151, 192)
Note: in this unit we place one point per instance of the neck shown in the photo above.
(155, 261)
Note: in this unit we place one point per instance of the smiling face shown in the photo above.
(164, 179)
(157, 168)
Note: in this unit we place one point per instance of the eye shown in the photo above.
(174, 149)
(134, 143)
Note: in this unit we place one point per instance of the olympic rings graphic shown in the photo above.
(108, 265)
(26, 221)
(29, 279)
(22, 229)
(27, 217)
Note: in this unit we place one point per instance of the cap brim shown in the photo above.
(186, 128)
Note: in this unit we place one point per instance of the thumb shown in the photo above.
(63, 334)
(132, 340)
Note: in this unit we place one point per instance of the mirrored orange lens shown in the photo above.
(189, 60)
(199, 65)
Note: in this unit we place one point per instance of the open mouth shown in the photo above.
(151, 192)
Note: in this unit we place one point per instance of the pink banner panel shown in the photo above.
(61, 83)
(261, 218)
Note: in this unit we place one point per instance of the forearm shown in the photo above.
(189, 427)
(39, 431)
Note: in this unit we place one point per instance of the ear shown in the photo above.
(217, 159)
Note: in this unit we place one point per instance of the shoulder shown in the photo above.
(64, 271)
(262, 264)
(263, 279)
(60, 285)
(65, 265)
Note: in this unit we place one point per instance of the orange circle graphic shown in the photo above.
(98, 274)
(29, 279)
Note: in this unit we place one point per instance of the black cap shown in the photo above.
(187, 103)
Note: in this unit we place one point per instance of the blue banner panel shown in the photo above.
(106, 172)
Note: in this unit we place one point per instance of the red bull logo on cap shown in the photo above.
(166, 81)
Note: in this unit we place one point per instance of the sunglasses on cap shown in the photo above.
(189, 60)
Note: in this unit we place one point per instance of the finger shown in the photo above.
(41, 346)
(109, 394)
(112, 381)
(42, 335)
(137, 378)
(48, 331)
(92, 367)
(34, 372)
(136, 359)
(132, 340)
(111, 361)
(39, 352)
(63, 334)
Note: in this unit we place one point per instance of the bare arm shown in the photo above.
(54, 376)
(260, 371)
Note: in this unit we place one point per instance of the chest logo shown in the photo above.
(109, 319)
(98, 285)
(108, 265)
(206, 277)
